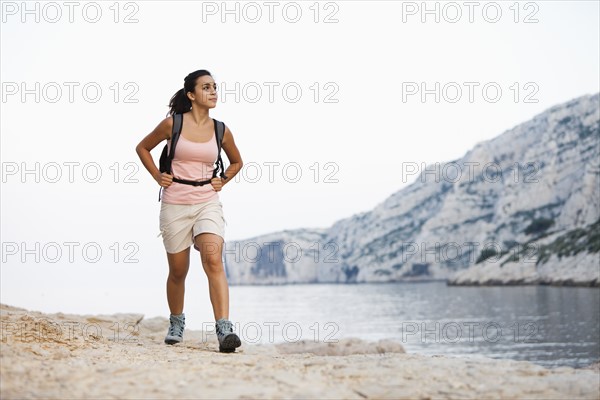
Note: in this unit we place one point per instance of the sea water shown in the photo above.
(551, 326)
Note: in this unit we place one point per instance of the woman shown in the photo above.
(194, 214)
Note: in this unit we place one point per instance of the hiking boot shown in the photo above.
(228, 340)
(175, 333)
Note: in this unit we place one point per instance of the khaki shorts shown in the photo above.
(181, 223)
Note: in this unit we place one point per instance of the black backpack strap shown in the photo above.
(220, 133)
(177, 125)
(193, 183)
(175, 133)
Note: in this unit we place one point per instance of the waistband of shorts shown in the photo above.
(216, 200)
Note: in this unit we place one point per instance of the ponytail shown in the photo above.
(180, 103)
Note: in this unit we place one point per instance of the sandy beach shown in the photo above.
(61, 356)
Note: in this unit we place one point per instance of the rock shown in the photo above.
(342, 347)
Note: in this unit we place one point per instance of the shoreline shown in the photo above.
(126, 358)
(517, 282)
(449, 282)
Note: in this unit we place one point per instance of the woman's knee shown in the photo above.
(177, 275)
(210, 246)
(213, 265)
(179, 264)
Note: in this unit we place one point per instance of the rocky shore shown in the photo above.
(60, 356)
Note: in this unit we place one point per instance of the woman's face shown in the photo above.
(205, 92)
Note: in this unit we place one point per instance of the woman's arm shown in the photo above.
(234, 157)
(160, 133)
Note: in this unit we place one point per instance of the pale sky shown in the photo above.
(354, 121)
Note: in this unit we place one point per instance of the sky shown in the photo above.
(328, 102)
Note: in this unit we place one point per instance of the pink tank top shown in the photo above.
(193, 161)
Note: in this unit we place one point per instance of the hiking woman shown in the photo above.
(194, 214)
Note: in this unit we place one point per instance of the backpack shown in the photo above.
(166, 157)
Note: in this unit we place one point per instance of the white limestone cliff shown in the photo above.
(523, 209)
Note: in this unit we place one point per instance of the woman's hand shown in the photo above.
(216, 183)
(164, 179)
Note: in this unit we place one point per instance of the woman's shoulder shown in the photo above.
(166, 126)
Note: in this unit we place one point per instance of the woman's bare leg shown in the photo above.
(179, 264)
(211, 250)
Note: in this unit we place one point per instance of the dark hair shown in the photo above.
(180, 103)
